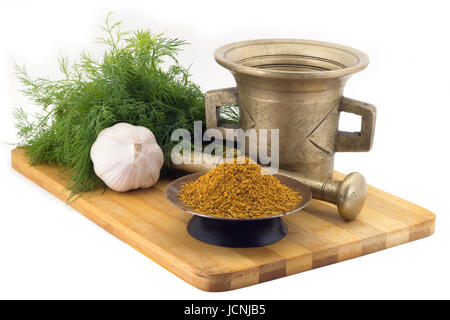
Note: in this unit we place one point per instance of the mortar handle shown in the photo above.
(357, 141)
(215, 99)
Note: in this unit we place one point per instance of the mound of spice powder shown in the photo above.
(238, 190)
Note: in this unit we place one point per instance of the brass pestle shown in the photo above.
(348, 195)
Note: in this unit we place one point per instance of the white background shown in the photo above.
(48, 250)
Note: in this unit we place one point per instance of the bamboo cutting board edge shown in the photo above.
(284, 258)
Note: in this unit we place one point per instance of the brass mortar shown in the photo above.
(297, 86)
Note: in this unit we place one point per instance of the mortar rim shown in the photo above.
(221, 52)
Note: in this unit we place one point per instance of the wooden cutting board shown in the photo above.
(317, 235)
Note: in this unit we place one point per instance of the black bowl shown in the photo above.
(242, 232)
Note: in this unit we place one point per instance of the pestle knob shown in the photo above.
(351, 195)
(348, 195)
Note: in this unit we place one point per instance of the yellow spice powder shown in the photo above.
(238, 190)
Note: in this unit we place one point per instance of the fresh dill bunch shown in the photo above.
(127, 84)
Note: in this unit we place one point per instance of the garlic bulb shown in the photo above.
(127, 157)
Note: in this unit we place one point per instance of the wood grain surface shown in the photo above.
(317, 236)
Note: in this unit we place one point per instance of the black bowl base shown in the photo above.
(238, 233)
